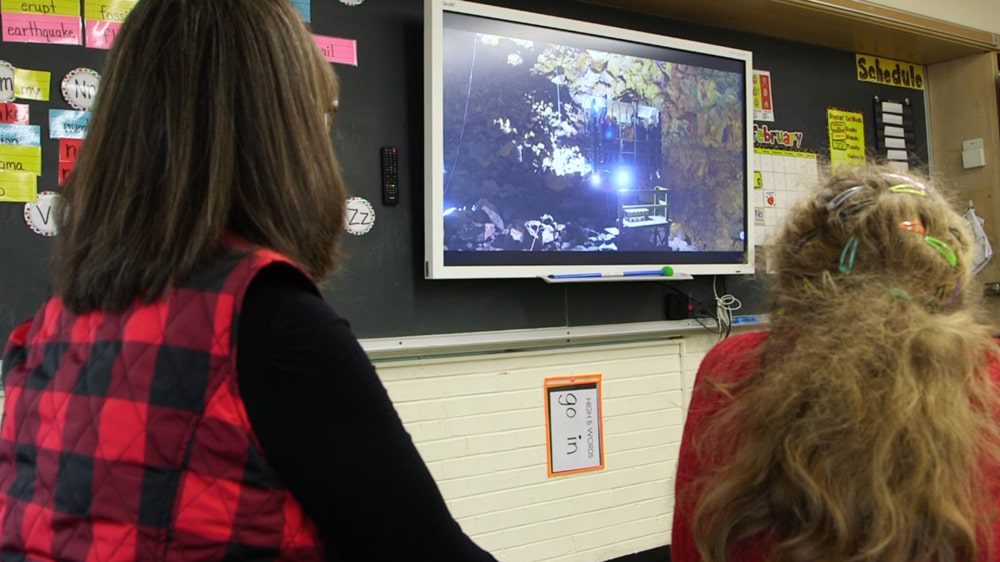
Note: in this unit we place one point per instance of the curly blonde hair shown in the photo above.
(869, 427)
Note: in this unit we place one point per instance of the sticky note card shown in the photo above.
(15, 158)
(102, 34)
(21, 135)
(304, 8)
(69, 149)
(338, 50)
(18, 187)
(65, 169)
(14, 113)
(32, 28)
(66, 124)
(104, 20)
(31, 84)
(43, 7)
(847, 137)
(108, 10)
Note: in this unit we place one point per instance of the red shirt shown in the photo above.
(727, 362)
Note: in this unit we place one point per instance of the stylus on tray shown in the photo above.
(666, 271)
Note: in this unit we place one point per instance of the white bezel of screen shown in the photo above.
(435, 267)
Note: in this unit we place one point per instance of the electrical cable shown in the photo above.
(725, 306)
(705, 314)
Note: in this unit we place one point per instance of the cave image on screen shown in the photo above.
(553, 148)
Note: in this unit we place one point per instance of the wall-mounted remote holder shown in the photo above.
(390, 175)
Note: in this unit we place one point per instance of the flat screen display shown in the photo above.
(571, 146)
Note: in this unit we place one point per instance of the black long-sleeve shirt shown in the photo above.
(328, 428)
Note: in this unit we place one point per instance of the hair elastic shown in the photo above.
(848, 254)
(944, 249)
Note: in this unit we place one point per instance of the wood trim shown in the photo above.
(901, 20)
(847, 25)
(964, 104)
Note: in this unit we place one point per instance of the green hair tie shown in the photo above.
(848, 254)
(944, 249)
(909, 188)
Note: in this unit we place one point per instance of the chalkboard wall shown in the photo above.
(380, 287)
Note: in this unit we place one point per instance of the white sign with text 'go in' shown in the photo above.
(575, 429)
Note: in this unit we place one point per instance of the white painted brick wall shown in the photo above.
(479, 423)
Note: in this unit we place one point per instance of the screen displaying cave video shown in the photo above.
(564, 148)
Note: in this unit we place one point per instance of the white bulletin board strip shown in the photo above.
(895, 143)
(892, 119)
(895, 132)
(892, 107)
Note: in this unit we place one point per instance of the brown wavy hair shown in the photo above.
(212, 118)
(868, 430)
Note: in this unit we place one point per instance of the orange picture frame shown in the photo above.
(583, 382)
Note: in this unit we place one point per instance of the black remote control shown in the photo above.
(390, 175)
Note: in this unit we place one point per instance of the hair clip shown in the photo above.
(915, 227)
(810, 288)
(957, 292)
(843, 196)
(944, 249)
(906, 180)
(900, 294)
(909, 188)
(847, 255)
(805, 238)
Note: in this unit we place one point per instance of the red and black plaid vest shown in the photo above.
(125, 437)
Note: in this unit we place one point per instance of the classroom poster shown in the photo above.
(574, 422)
(338, 50)
(847, 137)
(103, 19)
(17, 158)
(890, 72)
(20, 135)
(32, 84)
(304, 8)
(68, 124)
(18, 187)
(6, 82)
(39, 214)
(69, 151)
(763, 97)
(42, 21)
(782, 178)
(14, 113)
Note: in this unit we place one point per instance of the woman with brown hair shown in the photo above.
(863, 425)
(203, 210)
